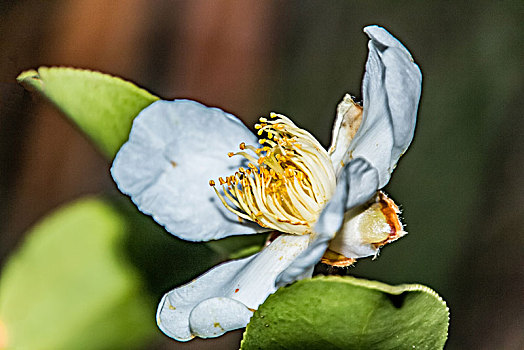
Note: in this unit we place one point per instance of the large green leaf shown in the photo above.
(70, 285)
(101, 105)
(349, 313)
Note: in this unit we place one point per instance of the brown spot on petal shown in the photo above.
(349, 115)
(352, 119)
(173, 163)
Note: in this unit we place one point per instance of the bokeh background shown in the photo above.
(460, 184)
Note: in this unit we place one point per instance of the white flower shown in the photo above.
(326, 204)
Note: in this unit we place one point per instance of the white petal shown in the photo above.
(348, 241)
(176, 306)
(216, 316)
(368, 227)
(247, 281)
(303, 266)
(391, 92)
(382, 36)
(174, 149)
(347, 122)
(257, 280)
(356, 184)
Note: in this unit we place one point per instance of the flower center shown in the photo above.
(288, 180)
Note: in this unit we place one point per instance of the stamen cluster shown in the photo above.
(288, 179)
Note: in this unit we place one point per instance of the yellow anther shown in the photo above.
(211, 183)
(230, 154)
(267, 192)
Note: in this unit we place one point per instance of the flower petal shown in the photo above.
(367, 228)
(175, 307)
(347, 122)
(216, 316)
(174, 149)
(219, 295)
(391, 93)
(356, 184)
(303, 266)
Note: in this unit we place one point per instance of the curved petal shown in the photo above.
(175, 307)
(174, 149)
(367, 228)
(347, 122)
(356, 184)
(216, 316)
(219, 295)
(303, 266)
(391, 91)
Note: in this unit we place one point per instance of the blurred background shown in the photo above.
(460, 185)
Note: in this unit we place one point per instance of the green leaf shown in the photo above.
(349, 313)
(237, 247)
(101, 105)
(71, 286)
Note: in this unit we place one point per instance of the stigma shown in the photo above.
(287, 179)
